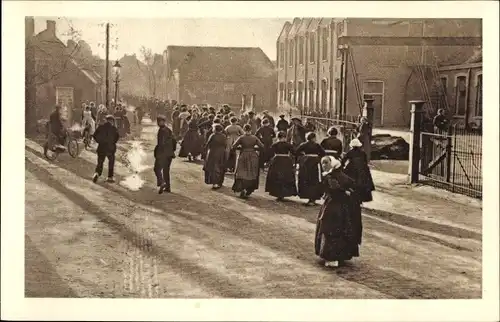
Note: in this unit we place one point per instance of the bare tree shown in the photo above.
(46, 59)
(149, 59)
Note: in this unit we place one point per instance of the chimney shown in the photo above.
(51, 27)
(29, 26)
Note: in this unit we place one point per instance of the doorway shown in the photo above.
(375, 90)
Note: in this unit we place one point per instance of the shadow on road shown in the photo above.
(183, 267)
(43, 281)
(229, 222)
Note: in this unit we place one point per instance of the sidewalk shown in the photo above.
(423, 207)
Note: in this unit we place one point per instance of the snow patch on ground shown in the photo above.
(135, 159)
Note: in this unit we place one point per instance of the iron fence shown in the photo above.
(346, 126)
(452, 160)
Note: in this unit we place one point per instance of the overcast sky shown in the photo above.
(130, 34)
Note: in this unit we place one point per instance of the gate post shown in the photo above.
(243, 102)
(415, 126)
(366, 138)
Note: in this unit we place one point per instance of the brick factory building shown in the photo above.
(330, 64)
(220, 75)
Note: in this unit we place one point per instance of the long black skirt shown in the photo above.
(231, 160)
(191, 144)
(246, 175)
(214, 166)
(280, 180)
(265, 156)
(309, 183)
(337, 236)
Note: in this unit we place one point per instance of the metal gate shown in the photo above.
(346, 126)
(452, 160)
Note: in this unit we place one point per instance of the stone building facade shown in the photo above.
(330, 64)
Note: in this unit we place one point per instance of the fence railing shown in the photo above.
(346, 126)
(452, 160)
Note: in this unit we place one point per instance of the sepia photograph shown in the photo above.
(301, 157)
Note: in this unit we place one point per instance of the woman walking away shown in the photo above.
(356, 167)
(280, 180)
(183, 115)
(266, 135)
(215, 162)
(192, 144)
(309, 154)
(335, 240)
(88, 123)
(176, 122)
(233, 132)
(246, 176)
(332, 145)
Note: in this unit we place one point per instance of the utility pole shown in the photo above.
(107, 66)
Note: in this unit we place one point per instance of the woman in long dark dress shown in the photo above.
(266, 135)
(215, 162)
(332, 145)
(176, 122)
(246, 175)
(336, 237)
(192, 144)
(233, 132)
(310, 154)
(355, 165)
(280, 180)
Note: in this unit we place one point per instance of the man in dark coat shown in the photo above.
(93, 110)
(164, 153)
(440, 121)
(106, 136)
(56, 127)
(269, 117)
(282, 124)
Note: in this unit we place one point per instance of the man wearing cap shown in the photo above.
(164, 153)
(267, 116)
(106, 137)
(282, 124)
(296, 133)
(56, 128)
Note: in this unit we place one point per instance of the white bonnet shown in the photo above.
(355, 143)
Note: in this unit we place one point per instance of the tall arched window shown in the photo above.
(300, 94)
(290, 93)
(301, 50)
(312, 47)
(282, 55)
(311, 95)
(324, 95)
(290, 53)
(324, 45)
(281, 93)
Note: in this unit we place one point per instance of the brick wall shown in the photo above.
(197, 92)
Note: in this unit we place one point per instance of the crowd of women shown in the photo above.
(248, 144)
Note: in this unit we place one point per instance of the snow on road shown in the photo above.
(199, 243)
(135, 159)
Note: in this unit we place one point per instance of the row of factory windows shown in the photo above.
(291, 48)
(306, 97)
(461, 94)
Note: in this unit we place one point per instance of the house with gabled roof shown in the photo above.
(55, 77)
(220, 75)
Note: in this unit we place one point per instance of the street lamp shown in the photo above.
(116, 72)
